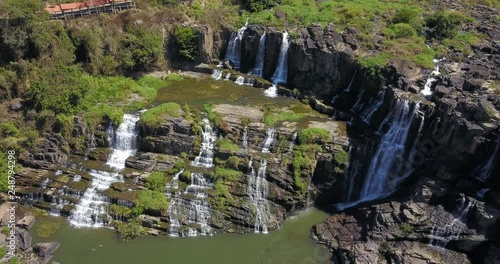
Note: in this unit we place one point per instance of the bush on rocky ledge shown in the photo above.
(154, 116)
(310, 135)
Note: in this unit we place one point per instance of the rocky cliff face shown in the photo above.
(454, 135)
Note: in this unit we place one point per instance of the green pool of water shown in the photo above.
(290, 244)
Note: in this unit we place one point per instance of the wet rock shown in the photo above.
(173, 136)
(414, 89)
(46, 249)
(26, 222)
(473, 85)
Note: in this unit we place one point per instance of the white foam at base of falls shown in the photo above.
(430, 80)
(271, 91)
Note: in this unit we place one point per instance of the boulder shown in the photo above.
(26, 222)
(46, 249)
(23, 238)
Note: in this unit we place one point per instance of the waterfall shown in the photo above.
(125, 144)
(271, 91)
(191, 209)
(269, 140)
(480, 194)
(228, 75)
(367, 115)
(217, 74)
(245, 138)
(205, 158)
(91, 211)
(91, 140)
(280, 75)
(292, 142)
(431, 79)
(233, 52)
(110, 133)
(378, 182)
(258, 190)
(441, 235)
(259, 63)
(348, 89)
(240, 80)
(484, 171)
(173, 185)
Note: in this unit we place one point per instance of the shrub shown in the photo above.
(148, 200)
(402, 30)
(119, 211)
(3, 251)
(185, 38)
(341, 156)
(445, 24)
(47, 228)
(130, 230)
(221, 189)
(156, 181)
(233, 162)
(154, 116)
(259, 5)
(309, 135)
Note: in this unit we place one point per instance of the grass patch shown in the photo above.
(226, 174)
(47, 228)
(312, 134)
(148, 200)
(154, 117)
(226, 145)
(341, 156)
(156, 181)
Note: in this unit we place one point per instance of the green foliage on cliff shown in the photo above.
(273, 116)
(156, 181)
(341, 156)
(154, 116)
(130, 230)
(226, 174)
(148, 200)
(445, 24)
(186, 38)
(4, 187)
(310, 135)
(119, 211)
(304, 159)
(226, 145)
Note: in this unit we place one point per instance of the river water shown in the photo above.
(290, 244)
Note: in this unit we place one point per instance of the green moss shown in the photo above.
(227, 174)
(119, 211)
(154, 116)
(226, 145)
(309, 135)
(3, 251)
(221, 189)
(47, 228)
(341, 156)
(233, 162)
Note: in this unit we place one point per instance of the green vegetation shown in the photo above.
(156, 181)
(47, 228)
(304, 159)
(407, 228)
(226, 174)
(3, 251)
(148, 200)
(341, 156)
(312, 134)
(130, 230)
(216, 118)
(119, 212)
(154, 116)
(273, 116)
(226, 145)
(4, 186)
(185, 38)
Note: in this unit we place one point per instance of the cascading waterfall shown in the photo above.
(441, 235)
(348, 89)
(259, 63)
(191, 208)
(91, 140)
(205, 158)
(245, 138)
(110, 133)
(217, 74)
(271, 133)
(484, 171)
(280, 75)
(378, 182)
(91, 211)
(430, 80)
(125, 143)
(233, 52)
(240, 80)
(258, 190)
(173, 185)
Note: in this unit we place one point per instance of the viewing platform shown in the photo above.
(79, 9)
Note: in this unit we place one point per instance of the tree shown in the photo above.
(185, 39)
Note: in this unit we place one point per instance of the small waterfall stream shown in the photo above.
(367, 115)
(191, 209)
(240, 80)
(217, 74)
(259, 63)
(245, 138)
(258, 190)
(484, 171)
(280, 74)
(271, 134)
(206, 156)
(233, 52)
(441, 235)
(292, 142)
(91, 210)
(430, 80)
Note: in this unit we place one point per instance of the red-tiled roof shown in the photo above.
(53, 9)
(70, 6)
